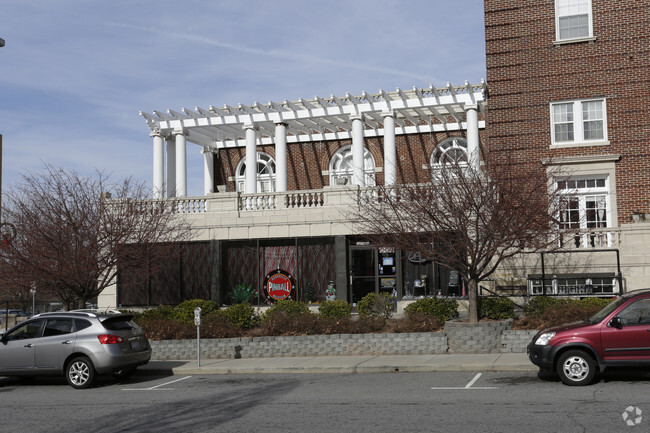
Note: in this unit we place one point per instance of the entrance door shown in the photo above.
(372, 271)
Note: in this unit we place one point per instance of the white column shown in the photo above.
(473, 151)
(208, 171)
(390, 150)
(280, 157)
(181, 164)
(171, 166)
(158, 166)
(250, 183)
(358, 175)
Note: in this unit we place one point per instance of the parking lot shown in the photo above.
(435, 401)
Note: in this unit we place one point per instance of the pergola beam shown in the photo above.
(413, 110)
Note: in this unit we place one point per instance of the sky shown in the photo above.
(74, 74)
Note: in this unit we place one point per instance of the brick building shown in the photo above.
(569, 82)
(567, 85)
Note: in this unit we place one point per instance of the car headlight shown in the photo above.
(544, 338)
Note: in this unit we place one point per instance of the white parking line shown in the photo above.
(156, 388)
(468, 386)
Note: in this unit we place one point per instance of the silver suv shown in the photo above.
(77, 344)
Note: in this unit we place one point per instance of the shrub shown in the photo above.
(184, 311)
(560, 311)
(335, 309)
(441, 308)
(241, 293)
(496, 308)
(416, 322)
(164, 329)
(539, 304)
(377, 305)
(164, 312)
(289, 307)
(241, 316)
(599, 303)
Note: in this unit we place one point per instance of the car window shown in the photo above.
(637, 313)
(81, 324)
(119, 323)
(57, 327)
(25, 331)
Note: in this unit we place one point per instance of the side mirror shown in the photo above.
(616, 322)
(3, 339)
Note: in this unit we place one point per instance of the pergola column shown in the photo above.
(250, 183)
(181, 163)
(158, 166)
(390, 150)
(171, 166)
(208, 170)
(472, 136)
(358, 173)
(281, 156)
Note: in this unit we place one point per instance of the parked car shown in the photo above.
(79, 345)
(616, 336)
(19, 313)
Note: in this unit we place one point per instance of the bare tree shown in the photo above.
(74, 231)
(468, 220)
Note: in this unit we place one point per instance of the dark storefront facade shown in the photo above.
(354, 268)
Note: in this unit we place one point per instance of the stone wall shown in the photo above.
(346, 345)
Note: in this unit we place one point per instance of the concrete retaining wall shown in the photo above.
(345, 344)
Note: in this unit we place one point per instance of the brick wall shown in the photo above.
(526, 71)
(307, 161)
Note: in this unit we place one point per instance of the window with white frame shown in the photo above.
(452, 150)
(584, 202)
(578, 121)
(342, 171)
(573, 19)
(265, 174)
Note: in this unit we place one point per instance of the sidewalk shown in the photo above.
(344, 364)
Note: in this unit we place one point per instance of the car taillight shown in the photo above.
(110, 339)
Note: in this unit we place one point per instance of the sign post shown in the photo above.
(33, 292)
(197, 322)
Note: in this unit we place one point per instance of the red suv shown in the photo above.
(616, 336)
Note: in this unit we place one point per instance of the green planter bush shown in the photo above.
(496, 308)
(241, 293)
(241, 316)
(379, 305)
(335, 309)
(441, 308)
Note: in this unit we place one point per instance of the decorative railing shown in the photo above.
(591, 239)
(191, 205)
(282, 200)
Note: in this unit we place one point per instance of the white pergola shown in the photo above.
(383, 114)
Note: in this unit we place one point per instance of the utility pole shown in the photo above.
(2, 44)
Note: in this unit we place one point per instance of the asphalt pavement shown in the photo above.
(344, 364)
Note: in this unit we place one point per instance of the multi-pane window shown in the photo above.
(584, 203)
(450, 151)
(573, 19)
(572, 285)
(581, 121)
(342, 167)
(265, 174)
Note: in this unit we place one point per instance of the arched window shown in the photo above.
(342, 171)
(265, 174)
(453, 150)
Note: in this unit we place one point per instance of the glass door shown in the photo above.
(363, 272)
(372, 270)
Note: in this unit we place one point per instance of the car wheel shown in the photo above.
(576, 368)
(80, 373)
(123, 374)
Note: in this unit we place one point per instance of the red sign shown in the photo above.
(278, 285)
